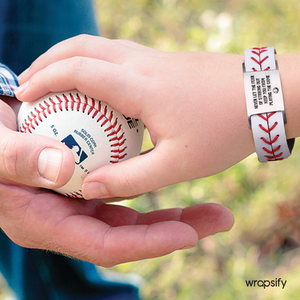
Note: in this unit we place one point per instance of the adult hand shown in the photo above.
(30, 159)
(90, 230)
(191, 103)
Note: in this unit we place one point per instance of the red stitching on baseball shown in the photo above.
(34, 119)
(48, 107)
(70, 101)
(119, 150)
(92, 107)
(53, 105)
(25, 127)
(60, 107)
(104, 122)
(78, 103)
(75, 195)
(112, 126)
(38, 114)
(30, 122)
(119, 144)
(66, 102)
(42, 108)
(100, 117)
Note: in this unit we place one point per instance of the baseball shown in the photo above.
(95, 132)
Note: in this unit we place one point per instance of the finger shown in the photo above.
(118, 199)
(7, 114)
(87, 75)
(13, 105)
(108, 246)
(106, 234)
(34, 160)
(111, 199)
(135, 236)
(208, 219)
(97, 79)
(205, 218)
(135, 176)
(94, 47)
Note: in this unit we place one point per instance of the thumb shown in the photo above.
(129, 178)
(34, 160)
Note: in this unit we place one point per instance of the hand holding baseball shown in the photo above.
(191, 103)
(89, 230)
(96, 134)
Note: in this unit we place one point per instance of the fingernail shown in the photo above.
(20, 90)
(22, 75)
(49, 163)
(94, 190)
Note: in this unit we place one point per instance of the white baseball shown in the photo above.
(96, 133)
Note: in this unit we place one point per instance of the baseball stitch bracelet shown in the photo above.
(265, 105)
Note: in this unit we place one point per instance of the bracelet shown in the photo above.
(265, 107)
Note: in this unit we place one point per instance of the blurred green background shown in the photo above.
(264, 198)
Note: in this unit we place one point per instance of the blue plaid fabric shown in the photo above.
(8, 81)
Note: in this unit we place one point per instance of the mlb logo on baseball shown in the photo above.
(78, 153)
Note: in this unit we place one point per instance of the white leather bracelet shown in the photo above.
(265, 105)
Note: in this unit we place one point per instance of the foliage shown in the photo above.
(209, 25)
(263, 197)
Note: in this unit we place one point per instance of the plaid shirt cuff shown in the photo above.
(8, 81)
